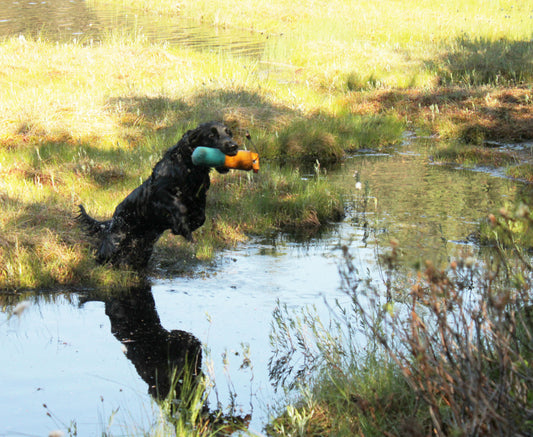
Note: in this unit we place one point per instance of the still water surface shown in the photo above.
(67, 350)
(88, 23)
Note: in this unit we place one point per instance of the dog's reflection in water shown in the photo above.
(163, 359)
(155, 352)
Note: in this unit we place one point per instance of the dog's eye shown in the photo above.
(228, 132)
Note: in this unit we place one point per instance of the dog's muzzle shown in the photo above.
(230, 148)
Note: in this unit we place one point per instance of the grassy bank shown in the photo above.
(85, 122)
(392, 43)
(461, 69)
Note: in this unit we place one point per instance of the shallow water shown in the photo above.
(77, 20)
(64, 349)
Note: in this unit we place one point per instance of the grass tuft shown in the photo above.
(484, 61)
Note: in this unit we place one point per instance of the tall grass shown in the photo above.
(287, 200)
(328, 138)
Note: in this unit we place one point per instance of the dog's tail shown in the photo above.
(92, 226)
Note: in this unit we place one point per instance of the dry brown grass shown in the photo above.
(472, 114)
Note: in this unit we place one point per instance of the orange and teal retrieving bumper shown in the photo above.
(243, 160)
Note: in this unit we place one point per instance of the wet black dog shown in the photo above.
(173, 197)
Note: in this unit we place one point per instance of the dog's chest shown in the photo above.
(194, 185)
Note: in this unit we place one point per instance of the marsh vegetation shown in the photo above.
(84, 119)
(92, 115)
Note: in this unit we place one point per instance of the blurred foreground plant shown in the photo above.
(463, 337)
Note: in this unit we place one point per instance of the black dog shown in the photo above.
(173, 197)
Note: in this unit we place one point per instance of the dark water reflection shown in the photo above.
(155, 352)
(431, 210)
(163, 358)
(75, 20)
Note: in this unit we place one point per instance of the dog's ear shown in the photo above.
(222, 170)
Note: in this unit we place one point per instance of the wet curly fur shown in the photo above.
(173, 197)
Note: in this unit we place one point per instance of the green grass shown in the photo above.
(327, 138)
(369, 400)
(389, 43)
(85, 122)
(346, 385)
(522, 171)
(283, 196)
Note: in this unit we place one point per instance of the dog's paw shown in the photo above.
(184, 233)
(188, 236)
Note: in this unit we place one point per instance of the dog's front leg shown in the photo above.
(179, 220)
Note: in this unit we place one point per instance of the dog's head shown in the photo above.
(217, 136)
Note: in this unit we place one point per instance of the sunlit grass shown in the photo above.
(387, 43)
(84, 122)
(341, 18)
(522, 171)
(276, 200)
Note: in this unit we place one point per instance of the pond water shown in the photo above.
(87, 22)
(86, 361)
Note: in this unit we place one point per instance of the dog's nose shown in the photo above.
(230, 148)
